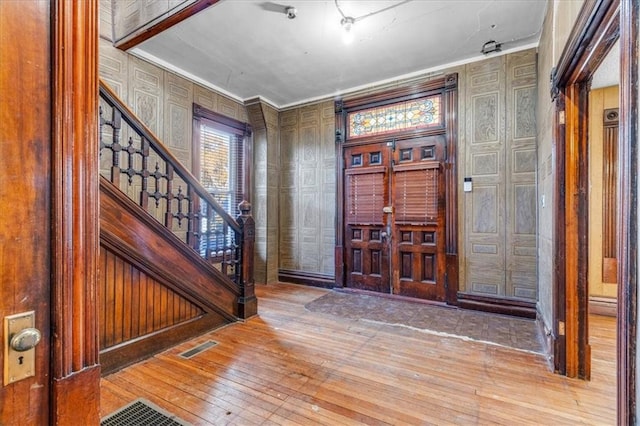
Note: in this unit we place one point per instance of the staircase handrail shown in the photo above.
(138, 126)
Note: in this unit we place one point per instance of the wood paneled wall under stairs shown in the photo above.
(135, 304)
(153, 291)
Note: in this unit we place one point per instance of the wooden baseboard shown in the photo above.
(607, 306)
(132, 351)
(497, 305)
(306, 278)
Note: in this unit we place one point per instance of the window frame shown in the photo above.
(241, 130)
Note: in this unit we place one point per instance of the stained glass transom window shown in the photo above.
(413, 114)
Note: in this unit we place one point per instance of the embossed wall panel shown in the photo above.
(485, 210)
(146, 84)
(112, 67)
(520, 176)
(500, 214)
(178, 127)
(486, 116)
(307, 180)
(484, 154)
(105, 25)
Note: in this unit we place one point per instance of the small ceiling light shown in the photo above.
(347, 29)
(490, 47)
(291, 12)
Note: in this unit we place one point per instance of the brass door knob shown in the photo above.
(25, 339)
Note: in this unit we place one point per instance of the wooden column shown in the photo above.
(75, 366)
(247, 302)
(451, 182)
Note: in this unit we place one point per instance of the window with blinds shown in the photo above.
(416, 196)
(221, 147)
(221, 165)
(365, 198)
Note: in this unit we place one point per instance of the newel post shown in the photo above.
(247, 302)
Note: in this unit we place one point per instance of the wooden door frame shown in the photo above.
(75, 369)
(599, 24)
(448, 86)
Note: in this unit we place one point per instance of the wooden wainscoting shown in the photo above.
(293, 366)
(154, 291)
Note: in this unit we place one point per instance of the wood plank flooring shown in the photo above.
(294, 367)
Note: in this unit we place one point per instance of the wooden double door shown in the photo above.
(394, 217)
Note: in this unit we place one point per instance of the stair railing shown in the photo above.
(135, 161)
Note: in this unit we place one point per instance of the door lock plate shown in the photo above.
(18, 365)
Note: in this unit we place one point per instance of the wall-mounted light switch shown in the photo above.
(468, 185)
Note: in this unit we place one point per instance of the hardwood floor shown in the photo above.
(292, 366)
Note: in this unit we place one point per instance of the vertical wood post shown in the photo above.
(75, 370)
(247, 302)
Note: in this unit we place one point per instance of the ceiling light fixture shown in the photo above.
(347, 29)
(348, 22)
(490, 47)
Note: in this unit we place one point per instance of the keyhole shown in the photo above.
(20, 358)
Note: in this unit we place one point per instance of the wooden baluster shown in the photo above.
(156, 179)
(116, 147)
(225, 258)
(144, 192)
(193, 224)
(168, 218)
(247, 302)
(101, 123)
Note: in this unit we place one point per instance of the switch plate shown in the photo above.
(18, 365)
(468, 184)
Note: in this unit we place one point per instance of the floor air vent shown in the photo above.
(142, 413)
(200, 348)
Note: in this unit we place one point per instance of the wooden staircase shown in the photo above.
(173, 263)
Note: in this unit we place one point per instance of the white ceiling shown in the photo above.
(250, 49)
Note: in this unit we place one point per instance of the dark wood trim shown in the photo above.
(75, 214)
(451, 183)
(576, 229)
(447, 87)
(341, 132)
(593, 35)
(417, 90)
(307, 278)
(559, 248)
(596, 29)
(153, 28)
(629, 170)
(81, 396)
(230, 125)
(238, 128)
(133, 351)
(247, 302)
(497, 305)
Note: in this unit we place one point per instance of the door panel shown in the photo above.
(366, 193)
(395, 217)
(418, 223)
(25, 199)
